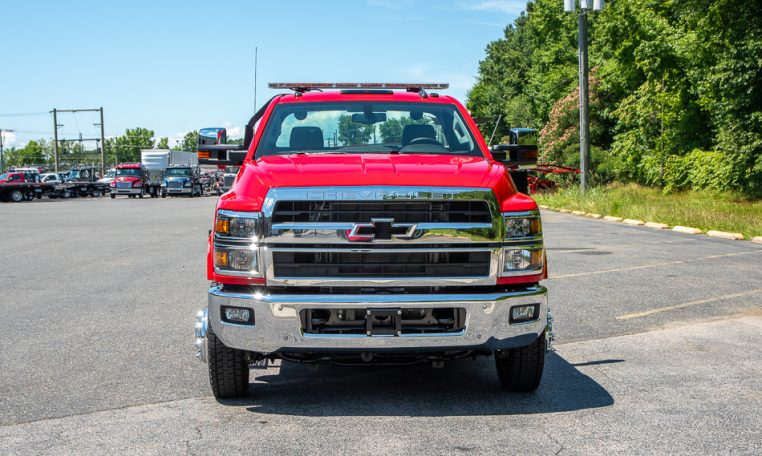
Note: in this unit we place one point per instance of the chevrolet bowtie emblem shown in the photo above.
(380, 229)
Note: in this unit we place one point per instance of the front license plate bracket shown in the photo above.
(383, 322)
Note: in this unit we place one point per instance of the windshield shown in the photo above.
(174, 172)
(4, 176)
(132, 172)
(366, 127)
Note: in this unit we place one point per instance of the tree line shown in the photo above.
(118, 149)
(675, 90)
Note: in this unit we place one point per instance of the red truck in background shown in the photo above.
(370, 223)
(18, 186)
(130, 180)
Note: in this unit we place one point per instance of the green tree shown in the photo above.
(126, 148)
(190, 141)
(354, 132)
(679, 81)
(163, 143)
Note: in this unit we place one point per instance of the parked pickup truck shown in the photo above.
(371, 224)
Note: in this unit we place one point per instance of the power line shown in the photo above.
(23, 114)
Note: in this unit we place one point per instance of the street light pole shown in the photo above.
(584, 109)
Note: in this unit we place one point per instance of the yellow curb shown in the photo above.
(564, 211)
(611, 218)
(725, 235)
(595, 216)
(633, 222)
(542, 206)
(687, 230)
(657, 226)
(578, 213)
(757, 240)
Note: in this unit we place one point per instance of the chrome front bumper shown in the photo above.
(279, 329)
(127, 191)
(176, 190)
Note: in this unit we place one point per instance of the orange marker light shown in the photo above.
(220, 258)
(223, 226)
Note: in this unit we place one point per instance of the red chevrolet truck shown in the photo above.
(370, 223)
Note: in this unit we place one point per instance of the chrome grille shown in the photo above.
(175, 184)
(381, 236)
(124, 185)
(400, 211)
(381, 264)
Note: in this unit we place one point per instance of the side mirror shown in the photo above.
(515, 155)
(214, 150)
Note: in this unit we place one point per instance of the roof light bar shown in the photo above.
(304, 86)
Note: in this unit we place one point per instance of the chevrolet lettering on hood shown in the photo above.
(370, 223)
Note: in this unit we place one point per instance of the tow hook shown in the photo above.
(202, 320)
(550, 336)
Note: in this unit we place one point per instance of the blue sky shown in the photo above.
(174, 66)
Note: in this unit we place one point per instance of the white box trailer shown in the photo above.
(157, 161)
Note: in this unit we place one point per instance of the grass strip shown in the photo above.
(704, 210)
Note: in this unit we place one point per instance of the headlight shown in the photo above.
(237, 259)
(526, 257)
(237, 225)
(137, 184)
(522, 225)
(235, 243)
(187, 184)
(163, 183)
(523, 261)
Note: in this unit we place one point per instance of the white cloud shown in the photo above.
(235, 132)
(502, 6)
(176, 139)
(9, 138)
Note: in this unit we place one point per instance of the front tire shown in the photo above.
(520, 369)
(17, 196)
(113, 196)
(228, 369)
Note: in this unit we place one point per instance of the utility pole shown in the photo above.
(584, 103)
(103, 147)
(55, 141)
(2, 152)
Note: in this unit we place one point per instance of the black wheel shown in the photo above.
(17, 196)
(113, 196)
(520, 369)
(228, 369)
(95, 193)
(163, 195)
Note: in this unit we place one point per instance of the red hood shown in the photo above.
(257, 177)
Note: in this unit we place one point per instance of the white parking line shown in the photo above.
(687, 304)
(655, 265)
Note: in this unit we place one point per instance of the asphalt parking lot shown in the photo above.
(658, 350)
